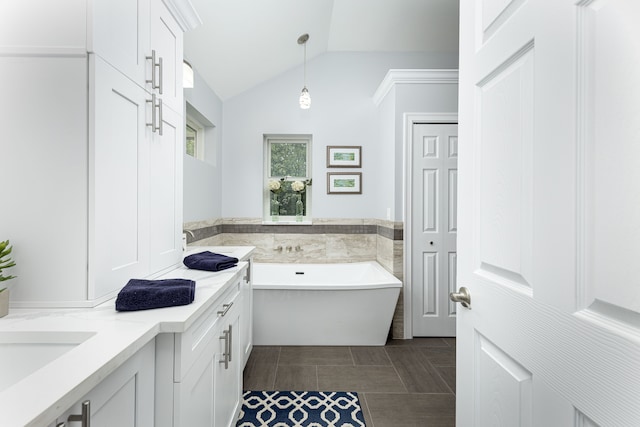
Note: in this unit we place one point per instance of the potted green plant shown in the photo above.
(5, 262)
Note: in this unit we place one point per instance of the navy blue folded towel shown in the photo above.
(139, 294)
(210, 261)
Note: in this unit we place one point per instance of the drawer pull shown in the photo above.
(226, 308)
(225, 355)
(85, 416)
(154, 65)
(230, 351)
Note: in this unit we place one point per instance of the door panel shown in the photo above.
(548, 207)
(610, 77)
(430, 197)
(167, 36)
(118, 206)
(505, 118)
(504, 388)
(165, 193)
(127, 47)
(434, 230)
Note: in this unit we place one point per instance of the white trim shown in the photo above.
(44, 51)
(397, 76)
(184, 13)
(194, 124)
(266, 196)
(409, 119)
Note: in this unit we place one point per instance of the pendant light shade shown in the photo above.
(305, 98)
(187, 75)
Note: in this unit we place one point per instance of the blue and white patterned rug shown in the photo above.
(300, 409)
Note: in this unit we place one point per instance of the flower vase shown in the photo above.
(4, 302)
(299, 208)
(275, 208)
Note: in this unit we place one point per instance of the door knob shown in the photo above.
(462, 296)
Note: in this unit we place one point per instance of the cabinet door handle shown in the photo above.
(160, 68)
(160, 108)
(225, 354)
(156, 121)
(153, 81)
(230, 343)
(84, 417)
(153, 113)
(225, 309)
(247, 278)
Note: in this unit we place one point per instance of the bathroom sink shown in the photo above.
(23, 353)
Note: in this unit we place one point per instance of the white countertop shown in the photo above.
(48, 392)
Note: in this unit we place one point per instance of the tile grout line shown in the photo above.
(443, 380)
(366, 403)
(406, 389)
(275, 376)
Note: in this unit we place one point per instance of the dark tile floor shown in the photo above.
(406, 383)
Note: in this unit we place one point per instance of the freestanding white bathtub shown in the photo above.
(323, 304)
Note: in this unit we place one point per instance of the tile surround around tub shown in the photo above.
(327, 240)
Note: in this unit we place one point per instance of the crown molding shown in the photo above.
(412, 76)
(184, 13)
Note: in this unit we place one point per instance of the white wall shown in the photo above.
(342, 112)
(203, 179)
(417, 98)
(386, 150)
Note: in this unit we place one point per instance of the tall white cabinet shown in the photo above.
(92, 141)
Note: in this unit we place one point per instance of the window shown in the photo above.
(287, 178)
(194, 138)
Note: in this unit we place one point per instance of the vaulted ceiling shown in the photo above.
(242, 43)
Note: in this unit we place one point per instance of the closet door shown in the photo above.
(118, 175)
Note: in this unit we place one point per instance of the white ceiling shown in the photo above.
(242, 43)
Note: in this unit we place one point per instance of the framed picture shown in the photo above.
(344, 156)
(344, 183)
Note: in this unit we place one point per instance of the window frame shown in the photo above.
(270, 139)
(199, 129)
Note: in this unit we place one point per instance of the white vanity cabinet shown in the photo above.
(246, 331)
(199, 371)
(124, 398)
(100, 193)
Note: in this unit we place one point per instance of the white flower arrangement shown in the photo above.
(274, 185)
(297, 186)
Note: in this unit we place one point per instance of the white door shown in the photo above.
(434, 216)
(549, 204)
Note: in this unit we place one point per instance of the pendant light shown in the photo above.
(187, 75)
(305, 98)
